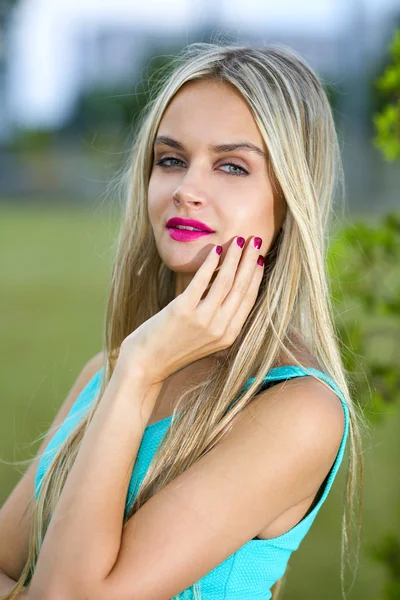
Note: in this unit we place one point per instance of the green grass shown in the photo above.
(55, 268)
(55, 265)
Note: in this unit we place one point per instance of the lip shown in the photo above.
(189, 223)
(185, 235)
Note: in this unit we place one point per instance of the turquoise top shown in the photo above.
(251, 571)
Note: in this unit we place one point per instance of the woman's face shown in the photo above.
(196, 181)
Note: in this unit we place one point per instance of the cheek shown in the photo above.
(254, 214)
(154, 200)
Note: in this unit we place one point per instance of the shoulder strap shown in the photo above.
(87, 394)
(77, 411)
(290, 371)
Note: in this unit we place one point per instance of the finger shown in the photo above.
(202, 278)
(237, 307)
(223, 282)
(234, 284)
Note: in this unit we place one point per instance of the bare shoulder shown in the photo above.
(94, 364)
(315, 400)
(88, 371)
(86, 374)
(305, 407)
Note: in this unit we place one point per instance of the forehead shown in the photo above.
(210, 107)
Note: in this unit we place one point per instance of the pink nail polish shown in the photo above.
(218, 249)
(260, 260)
(240, 241)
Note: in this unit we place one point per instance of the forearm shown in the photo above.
(83, 539)
(7, 584)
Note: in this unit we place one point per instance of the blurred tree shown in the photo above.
(377, 293)
(387, 552)
(364, 267)
(387, 119)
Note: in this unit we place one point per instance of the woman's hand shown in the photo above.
(190, 327)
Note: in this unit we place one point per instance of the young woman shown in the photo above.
(193, 454)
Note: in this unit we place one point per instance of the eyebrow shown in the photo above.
(218, 149)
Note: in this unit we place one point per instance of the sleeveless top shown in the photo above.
(251, 571)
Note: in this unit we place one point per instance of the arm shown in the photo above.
(277, 454)
(74, 539)
(16, 512)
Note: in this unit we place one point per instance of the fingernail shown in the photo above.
(218, 249)
(260, 260)
(257, 241)
(240, 241)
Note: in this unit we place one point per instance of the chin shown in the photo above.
(185, 258)
(179, 268)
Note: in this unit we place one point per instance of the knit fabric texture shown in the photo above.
(251, 571)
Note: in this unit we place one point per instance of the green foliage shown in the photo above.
(364, 263)
(365, 289)
(387, 121)
(367, 284)
(387, 552)
(384, 300)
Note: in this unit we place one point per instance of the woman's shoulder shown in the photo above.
(320, 396)
(93, 366)
(84, 382)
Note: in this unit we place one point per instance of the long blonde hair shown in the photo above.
(294, 116)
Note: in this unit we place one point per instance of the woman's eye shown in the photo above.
(243, 171)
(162, 163)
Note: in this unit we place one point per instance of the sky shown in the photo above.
(175, 13)
(291, 14)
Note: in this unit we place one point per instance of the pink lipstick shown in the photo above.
(185, 235)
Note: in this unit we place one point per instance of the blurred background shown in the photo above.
(74, 76)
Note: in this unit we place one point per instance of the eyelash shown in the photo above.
(161, 162)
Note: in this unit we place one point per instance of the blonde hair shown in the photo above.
(294, 116)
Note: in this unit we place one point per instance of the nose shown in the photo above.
(191, 188)
(185, 195)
